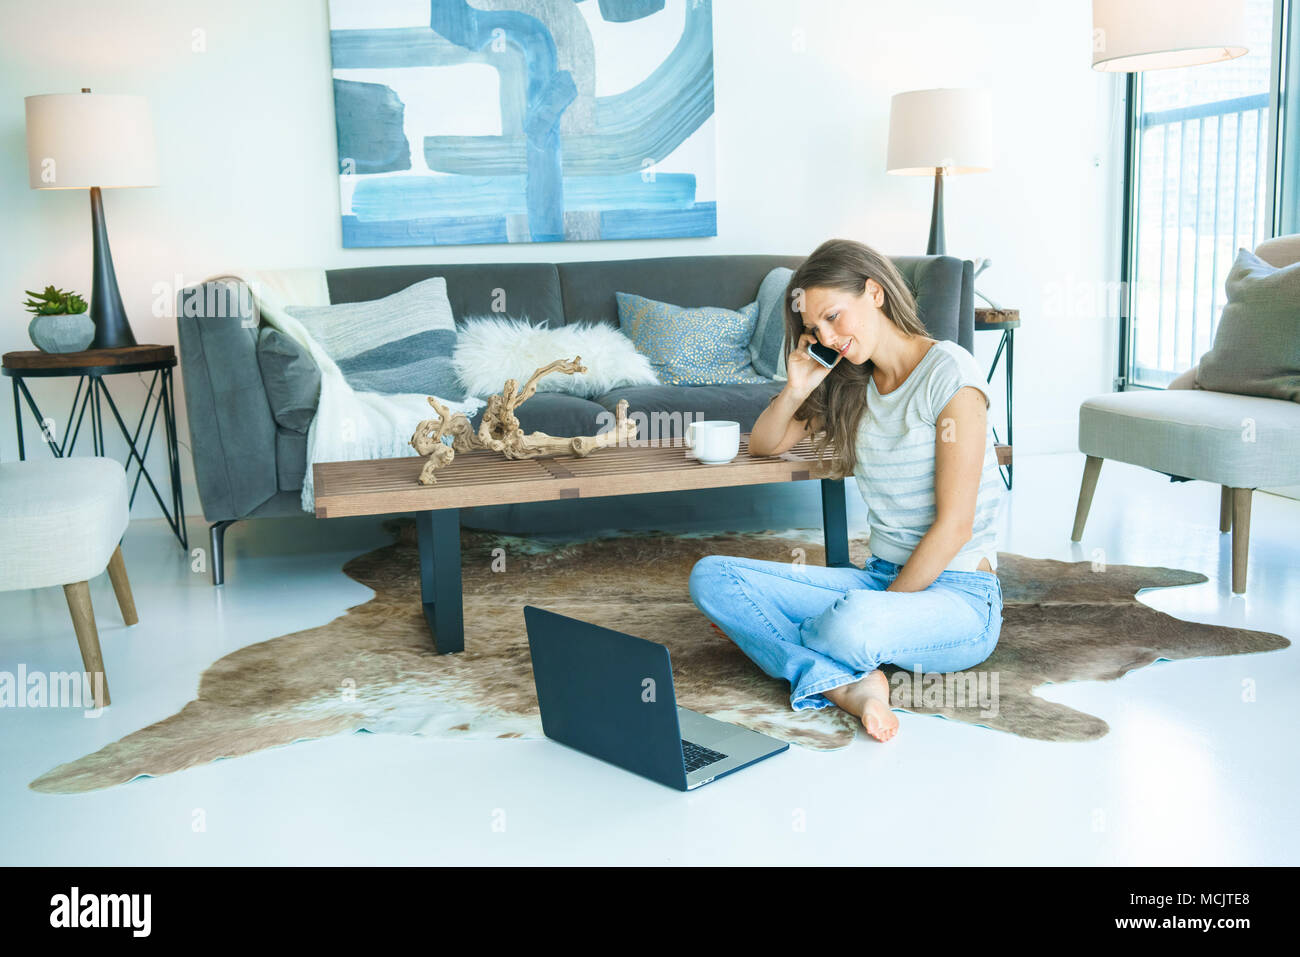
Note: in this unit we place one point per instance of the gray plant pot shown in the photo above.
(67, 333)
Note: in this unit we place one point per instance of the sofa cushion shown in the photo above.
(767, 348)
(290, 459)
(520, 289)
(667, 408)
(944, 286)
(291, 377)
(557, 414)
(703, 345)
(1257, 345)
(399, 344)
(728, 281)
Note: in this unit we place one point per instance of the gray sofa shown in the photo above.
(248, 467)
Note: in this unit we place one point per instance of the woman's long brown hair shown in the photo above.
(840, 399)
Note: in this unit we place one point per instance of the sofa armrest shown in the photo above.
(232, 431)
(944, 287)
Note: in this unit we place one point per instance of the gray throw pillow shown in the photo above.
(291, 378)
(1257, 345)
(401, 343)
(767, 348)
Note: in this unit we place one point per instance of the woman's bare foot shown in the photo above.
(718, 630)
(868, 700)
(881, 723)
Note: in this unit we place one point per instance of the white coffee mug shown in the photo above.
(714, 443)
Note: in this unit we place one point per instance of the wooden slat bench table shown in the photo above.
(389, 486)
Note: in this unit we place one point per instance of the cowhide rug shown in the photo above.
(374, 668)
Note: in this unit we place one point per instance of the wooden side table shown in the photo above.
(1005, 321)
(91, 367)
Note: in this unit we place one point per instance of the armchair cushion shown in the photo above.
(1257, 345)
(1235, 440)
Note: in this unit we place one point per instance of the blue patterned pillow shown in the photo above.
(703, 345)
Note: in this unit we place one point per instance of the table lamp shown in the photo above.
(93, 141)
(940, 133)
(1129, 36)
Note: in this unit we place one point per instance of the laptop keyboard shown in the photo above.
(697, 756)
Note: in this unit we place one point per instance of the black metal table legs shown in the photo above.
(162, 399)
(438, 533)
(440, 579)
(1009, 341)
(835, 524)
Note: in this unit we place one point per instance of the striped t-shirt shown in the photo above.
(895, 460)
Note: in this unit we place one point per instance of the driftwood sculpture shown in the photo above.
(499, 429)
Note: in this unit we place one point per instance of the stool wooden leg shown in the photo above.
(83, 620)
(1091, 469)
(1240, 537)
(1225, 509)
(122, 587)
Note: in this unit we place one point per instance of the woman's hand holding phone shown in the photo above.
(803, 372)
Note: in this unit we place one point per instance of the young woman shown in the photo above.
(906, 415)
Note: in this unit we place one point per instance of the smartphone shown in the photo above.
(823, 354)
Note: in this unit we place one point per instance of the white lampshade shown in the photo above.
(80, 140)
(949, 128)
(1133, 35)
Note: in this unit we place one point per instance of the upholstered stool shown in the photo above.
(61, 522)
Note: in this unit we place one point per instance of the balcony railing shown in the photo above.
(1196, 206)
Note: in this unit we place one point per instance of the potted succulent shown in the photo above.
(61, 323)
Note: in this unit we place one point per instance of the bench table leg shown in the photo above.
(835, 524)
(440, 579)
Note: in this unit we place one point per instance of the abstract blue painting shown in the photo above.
(517, 121)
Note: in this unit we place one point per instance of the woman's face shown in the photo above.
(847, 323)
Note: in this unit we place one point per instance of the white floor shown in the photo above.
(1190, 773)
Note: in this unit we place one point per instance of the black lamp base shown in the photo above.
(112, 331)
(937, 246)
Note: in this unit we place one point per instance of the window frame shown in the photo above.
(1281, 177)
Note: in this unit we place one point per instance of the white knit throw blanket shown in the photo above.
(349, 425)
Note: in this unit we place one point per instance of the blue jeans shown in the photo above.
(820, 627)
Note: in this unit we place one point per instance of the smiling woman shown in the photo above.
(906, 415)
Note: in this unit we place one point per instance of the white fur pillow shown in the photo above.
(491, 349)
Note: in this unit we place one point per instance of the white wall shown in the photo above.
(249, 163)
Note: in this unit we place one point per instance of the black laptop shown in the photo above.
(610, 695)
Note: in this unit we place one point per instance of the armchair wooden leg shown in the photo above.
(83, 620)
(122, 587)
(1225, 508)
(1240, 537)
(1091, 469)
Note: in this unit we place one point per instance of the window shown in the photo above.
(1199, 190)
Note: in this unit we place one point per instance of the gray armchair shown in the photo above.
(1189, 432)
